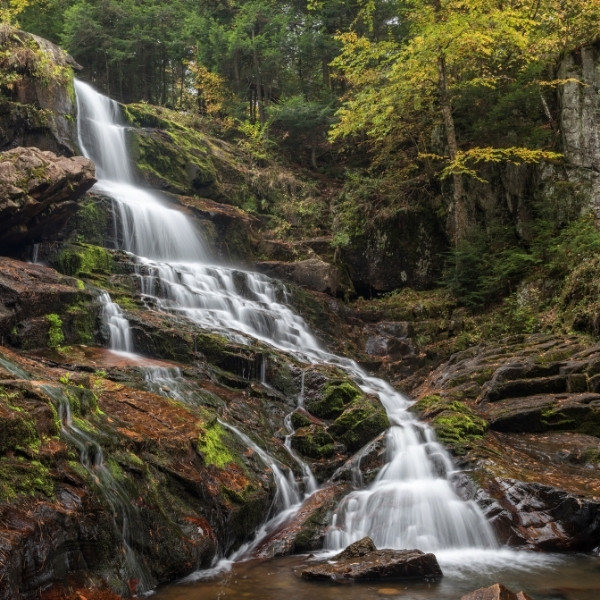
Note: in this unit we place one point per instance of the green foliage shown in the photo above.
(486, 266)
(55, 333)
(255, 140)
(9, 9)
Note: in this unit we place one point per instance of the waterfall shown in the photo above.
(125, 517)
(120, 339)
(412, 502)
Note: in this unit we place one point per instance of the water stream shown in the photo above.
(125, 517)
(411, 503)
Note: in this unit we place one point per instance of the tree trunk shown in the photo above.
(459, 225)
(258, 83)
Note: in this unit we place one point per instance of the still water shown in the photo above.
(543, 577)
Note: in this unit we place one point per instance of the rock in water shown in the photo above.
(495, 592)
(362, 561)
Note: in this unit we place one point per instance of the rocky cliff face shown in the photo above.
(524, 417)
(579, 106)
(37, 102)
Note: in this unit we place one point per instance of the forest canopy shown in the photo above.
(415, 91)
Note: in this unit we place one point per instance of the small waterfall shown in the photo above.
(308, 478)
(119, 329)
(412, 502)
(35, 253)
(287, 496)
(126, 519)
(14, 369)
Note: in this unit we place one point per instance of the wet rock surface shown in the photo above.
(29, 293)
(362, 561)
(38, 194)
(313, 273)
(495, 592)
(535, 456)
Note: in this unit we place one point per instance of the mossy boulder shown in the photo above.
(84, 259)
(299, 419)
(38, 75)
(362, 420)
(337, 395)
(171, 156)
(313, 441)
(455, 423)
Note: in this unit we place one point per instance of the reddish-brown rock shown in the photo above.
(495, 592)
(38, 193)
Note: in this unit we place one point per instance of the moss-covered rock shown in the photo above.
(299, 419)
(313, 441)
(36, 74)
(171, 155)
(454, 422)
(84, 259)
(336, 396)
(362, 420)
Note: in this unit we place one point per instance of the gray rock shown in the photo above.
(312, 273)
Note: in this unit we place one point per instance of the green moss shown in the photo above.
(17, 429)
(336, 396)
(459, 429)
(313, 441)
(91, 221)
(82, 321)
(212, 446)
(55, 333)
(76, 466)
(177, 160)
(81, 259)
(360, 422)
(299, 420)
(453, 421)
(21, 477)
(429, 404)
(591, 456)
(115, 469)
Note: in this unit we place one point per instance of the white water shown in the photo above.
(412, 502)
(120, 338)
(125, 517)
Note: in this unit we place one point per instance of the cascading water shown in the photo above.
(126, 518)
(412, 502)
(120, 339)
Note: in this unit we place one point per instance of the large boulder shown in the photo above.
(361, 561)
(37, 81)
(38, 193)
(30, 294)
(312, 273)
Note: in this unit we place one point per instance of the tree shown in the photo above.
(404, 90)
(9, 9)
